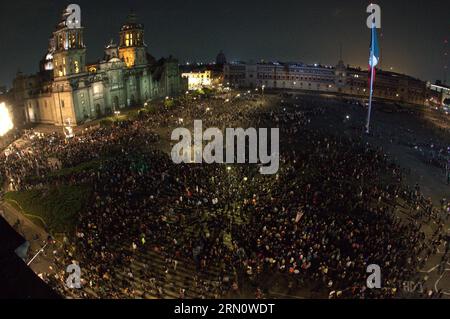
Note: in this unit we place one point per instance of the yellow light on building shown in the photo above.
(6, 123)
(76, 67)
(128, 55)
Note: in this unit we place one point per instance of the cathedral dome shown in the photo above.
(132, 23)
(221, 59)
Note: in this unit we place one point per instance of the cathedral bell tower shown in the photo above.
(132, 48)
(69, 57)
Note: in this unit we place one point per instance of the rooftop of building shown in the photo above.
(282, 63)
(323, 66)
(439, 84)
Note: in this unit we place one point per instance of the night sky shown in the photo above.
(196, 30)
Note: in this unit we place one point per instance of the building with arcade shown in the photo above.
(340, 79)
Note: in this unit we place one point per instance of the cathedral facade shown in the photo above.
(70, 91)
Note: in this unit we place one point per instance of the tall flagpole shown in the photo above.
(372, 69)
(370, 100)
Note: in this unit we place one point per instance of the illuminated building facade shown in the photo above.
(337, 79)
(198, 80)
(281, 76)
(69, 90)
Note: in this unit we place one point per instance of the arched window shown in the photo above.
(129, 39)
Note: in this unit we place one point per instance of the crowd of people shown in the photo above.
(331, 210)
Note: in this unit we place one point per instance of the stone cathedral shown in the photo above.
(70, 91)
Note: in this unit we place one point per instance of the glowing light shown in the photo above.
(198, 80)
(68, 132)
(6, 123)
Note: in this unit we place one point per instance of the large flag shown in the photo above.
(374, 57)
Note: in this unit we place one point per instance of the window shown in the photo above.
(129, 39)
(76, 67)
(72, 40)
